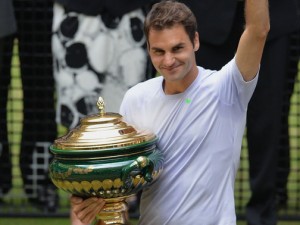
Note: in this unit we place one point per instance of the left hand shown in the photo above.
(84, 212)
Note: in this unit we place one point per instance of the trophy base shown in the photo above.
(114, 212)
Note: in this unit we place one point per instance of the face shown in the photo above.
(173, 54)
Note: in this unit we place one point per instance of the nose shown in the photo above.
(169, 59)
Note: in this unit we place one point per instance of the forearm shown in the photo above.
(257, 17)
(251, 45)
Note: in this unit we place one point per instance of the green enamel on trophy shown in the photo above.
(105, 157)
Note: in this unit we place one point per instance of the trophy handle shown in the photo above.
(142, 165)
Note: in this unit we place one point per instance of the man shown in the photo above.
(198, 115)
(267, 117)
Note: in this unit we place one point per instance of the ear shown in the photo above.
(196, 42)
(148, 46)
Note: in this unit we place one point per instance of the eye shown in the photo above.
(177, 48)
(158, 52)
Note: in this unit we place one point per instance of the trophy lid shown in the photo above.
(101, 132)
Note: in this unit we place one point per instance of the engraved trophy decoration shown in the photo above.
(105, 157)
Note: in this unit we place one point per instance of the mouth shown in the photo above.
(171, 68)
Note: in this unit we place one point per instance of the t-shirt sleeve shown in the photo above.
(233, 88)
(127, 106)
(123, 108)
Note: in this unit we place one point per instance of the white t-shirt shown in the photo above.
(200, 133)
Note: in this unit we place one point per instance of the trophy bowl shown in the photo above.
(105, 157)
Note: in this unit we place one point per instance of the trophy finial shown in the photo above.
(101, 105)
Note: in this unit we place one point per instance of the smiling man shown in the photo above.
(198, 115)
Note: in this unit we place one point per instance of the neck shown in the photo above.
(172, 88)
(179, 86)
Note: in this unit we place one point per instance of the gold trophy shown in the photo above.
(105, 157)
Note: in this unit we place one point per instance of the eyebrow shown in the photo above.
(175, 46)
(156, 49)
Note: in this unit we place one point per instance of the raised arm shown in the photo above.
(252, 41)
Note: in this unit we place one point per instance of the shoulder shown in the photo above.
(146, 87)
(140, 92)
(227, 76)
(230, 69)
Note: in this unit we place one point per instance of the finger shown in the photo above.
(80, 205)
(93, 208)
(75, 199)
(89, 218)
(101, 222)
(89, 213)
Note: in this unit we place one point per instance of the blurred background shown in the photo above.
(29, 118)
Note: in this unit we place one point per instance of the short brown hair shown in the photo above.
(168, 13)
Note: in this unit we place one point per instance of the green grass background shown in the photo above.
(65, 221)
